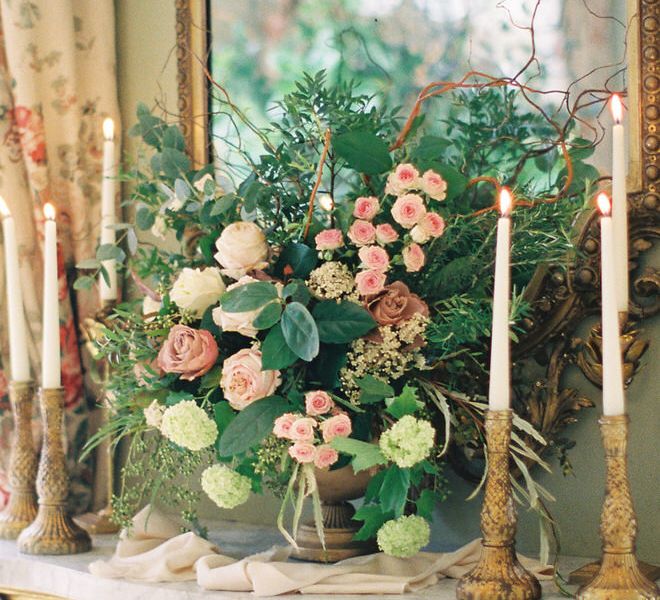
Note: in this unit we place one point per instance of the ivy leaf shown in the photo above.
(343, 322)
(406, 403)
(373, 390)
(373, 517)
(365, 455)
(269, 315)
(275, 352)
(297, 260)
(251, 425)
(363, 151)
(249, 297)
(394, 493)
(300, 331)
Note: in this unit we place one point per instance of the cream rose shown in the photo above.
(243, 381)
(150, 307)
(418, 235)
(241, 322)
(197, 289)
(241, 248)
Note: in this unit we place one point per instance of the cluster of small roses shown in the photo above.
(409, 211)
(323, 420)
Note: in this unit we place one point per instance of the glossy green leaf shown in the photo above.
(269, 315)
(342, 322)
(275, 352)
(363, 151)
(249, 297)
(296, 260)
(394, 493)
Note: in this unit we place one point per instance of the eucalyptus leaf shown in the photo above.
(269, 315)
(300, 331)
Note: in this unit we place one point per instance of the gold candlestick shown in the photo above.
(53, 531)
(22, 507)
(619, 577)
(498, 574)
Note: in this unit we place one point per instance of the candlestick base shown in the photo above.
(619, 576)
(498, 574)
(53, 531)
(22, 506)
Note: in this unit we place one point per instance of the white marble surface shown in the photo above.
(68, 578)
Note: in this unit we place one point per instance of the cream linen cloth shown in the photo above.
(155, 551)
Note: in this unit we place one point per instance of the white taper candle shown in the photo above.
(18, 350)
(613, 396)
(500, 366)
(50, 354)
(619, 205)
(108, 210)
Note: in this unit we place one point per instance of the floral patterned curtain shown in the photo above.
(57, 84)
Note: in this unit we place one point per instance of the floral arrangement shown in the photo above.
(299, 330)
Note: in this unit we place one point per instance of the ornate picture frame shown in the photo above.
(561, 299)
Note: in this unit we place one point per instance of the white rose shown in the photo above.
(150, 306)
(419, 235)
(241, 248)
(197, 289)
(240, 322)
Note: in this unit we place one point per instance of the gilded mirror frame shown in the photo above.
(561, 299)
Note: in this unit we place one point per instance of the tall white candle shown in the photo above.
(18, 351)
(500, 366)
(619, 205)
(613, 397)
(50, 355)
(108, 215)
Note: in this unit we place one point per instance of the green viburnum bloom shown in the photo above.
(404, 537)
(408, 441)
(188, 426)
(226, 487)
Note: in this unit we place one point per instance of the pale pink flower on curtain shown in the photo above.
(57, 84)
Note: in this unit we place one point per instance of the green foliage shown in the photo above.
(342, 322)
(249, 297)
(373, 389)
(300, 331)
(365, 455)
(363, 151)
(275, 351)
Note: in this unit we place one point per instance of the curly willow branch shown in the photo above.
(317, 183)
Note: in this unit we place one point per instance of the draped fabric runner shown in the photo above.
(156, 552)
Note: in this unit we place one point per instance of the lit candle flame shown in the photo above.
(108, 129)
(49, 211)
(617, 108)
(4, 209)
(604, 204)
(506, 202)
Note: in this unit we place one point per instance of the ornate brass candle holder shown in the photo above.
(498, 574)
(619, 576)
(53, 531)
(22, 507)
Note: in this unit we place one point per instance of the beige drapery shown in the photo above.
(57, 84)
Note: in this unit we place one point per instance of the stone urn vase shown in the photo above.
(336, 488)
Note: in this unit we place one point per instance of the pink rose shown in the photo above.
(303, 452)
(243, 381)
(375, 258)
(318, 403)
(432, 224)
(370, 282)
(405, 177)
(362, 233)
(386, 234)
(190, 352)
(302, 429)
(413, 258)
(282, 426)
(366, 208)
(337, 426)
(326, 456)
(408, 210)
(434, 185)
(329, 239)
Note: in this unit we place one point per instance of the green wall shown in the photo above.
(147, 72)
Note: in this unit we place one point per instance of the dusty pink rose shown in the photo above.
(386, 234)
(326, 456)
(413, 258)
(303, 452)
(243, 381)
(190, 352)
(302, 429)
(337, 426)
(329, 239)
(366, 208)
(362, 233)
(396, 304)
(408, 210)
(405, 177)
(434, 185)
(318, 403)
(370, 282)
(282, 425)
(432, 224)
(375, 258)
